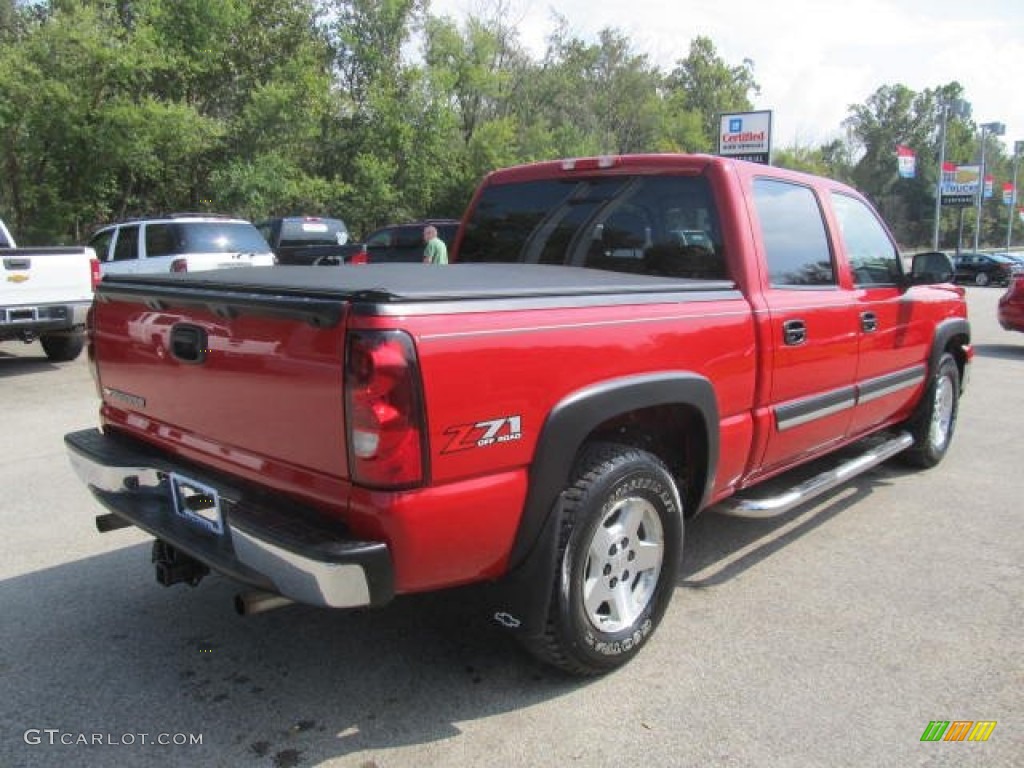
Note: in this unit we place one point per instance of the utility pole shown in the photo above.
(1018, 148)
(951, 108)
(996, 129)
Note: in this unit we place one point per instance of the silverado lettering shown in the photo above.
(671, 330)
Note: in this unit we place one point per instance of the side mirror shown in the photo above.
(931, 268)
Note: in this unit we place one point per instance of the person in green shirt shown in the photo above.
(436, 252)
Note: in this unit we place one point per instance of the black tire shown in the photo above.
(933, 426)
(619, 553)
(981, 279)
(62, 348)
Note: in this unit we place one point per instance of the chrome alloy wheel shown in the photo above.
(942, 413)
(623, 564)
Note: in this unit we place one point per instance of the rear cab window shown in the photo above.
(313, 231)
(218, 237)
(660, 225)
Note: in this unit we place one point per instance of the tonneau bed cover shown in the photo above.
(413, 282)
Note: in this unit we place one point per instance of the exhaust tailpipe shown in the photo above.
(250, 603)
(110, 522)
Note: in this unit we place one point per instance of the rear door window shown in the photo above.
(793, 232)
(160, 240)
(409, 237)
(126, 247)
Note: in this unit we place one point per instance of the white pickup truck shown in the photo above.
(45, 294)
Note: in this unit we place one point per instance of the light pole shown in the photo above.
(996, 129)
(954, 108)
(1018, 148)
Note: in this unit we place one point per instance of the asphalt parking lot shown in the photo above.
(830, 637)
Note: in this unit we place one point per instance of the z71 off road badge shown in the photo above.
(483, 434)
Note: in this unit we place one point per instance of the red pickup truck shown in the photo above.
(625, 342)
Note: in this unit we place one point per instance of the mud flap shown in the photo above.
(520, 601)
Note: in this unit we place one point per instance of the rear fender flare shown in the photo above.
(525, 591)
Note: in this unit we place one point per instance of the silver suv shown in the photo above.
(180, 242)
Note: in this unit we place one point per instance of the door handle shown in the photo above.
(868, 322)
(794, 332)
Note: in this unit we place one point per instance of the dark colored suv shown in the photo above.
(305, 239)
(403, 242)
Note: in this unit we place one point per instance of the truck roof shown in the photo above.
(651, 165)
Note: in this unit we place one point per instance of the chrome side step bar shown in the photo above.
(738, 506)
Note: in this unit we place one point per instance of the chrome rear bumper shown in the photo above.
(268, 542)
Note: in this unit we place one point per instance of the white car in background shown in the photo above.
(182, 242)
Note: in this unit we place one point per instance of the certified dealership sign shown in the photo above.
(746, 136)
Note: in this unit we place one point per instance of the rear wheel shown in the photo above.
(62, 348)
(981, 278)
(933, 426)
(620, 546)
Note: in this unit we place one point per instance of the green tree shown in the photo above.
(895, 115)
(594, 98)
(831, 159)
(367, 37)
(706, 85)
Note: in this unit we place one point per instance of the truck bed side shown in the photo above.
(263, 401)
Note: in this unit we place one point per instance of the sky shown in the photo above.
(813, 58)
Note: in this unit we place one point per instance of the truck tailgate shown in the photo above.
(247, 383)
(45, 276)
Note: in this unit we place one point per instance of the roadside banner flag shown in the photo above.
(989, 182)
(1008, 193)
(907, 161)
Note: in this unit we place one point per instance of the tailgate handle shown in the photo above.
(17, 263)
(189, 343)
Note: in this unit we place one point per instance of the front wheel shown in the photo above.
(933, 426)
(619, 547)
(981, 279)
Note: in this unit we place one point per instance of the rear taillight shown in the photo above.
(179, 265)
(362, 257)
(94, 272)
(384, 410)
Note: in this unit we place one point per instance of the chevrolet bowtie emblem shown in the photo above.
(19, 278)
